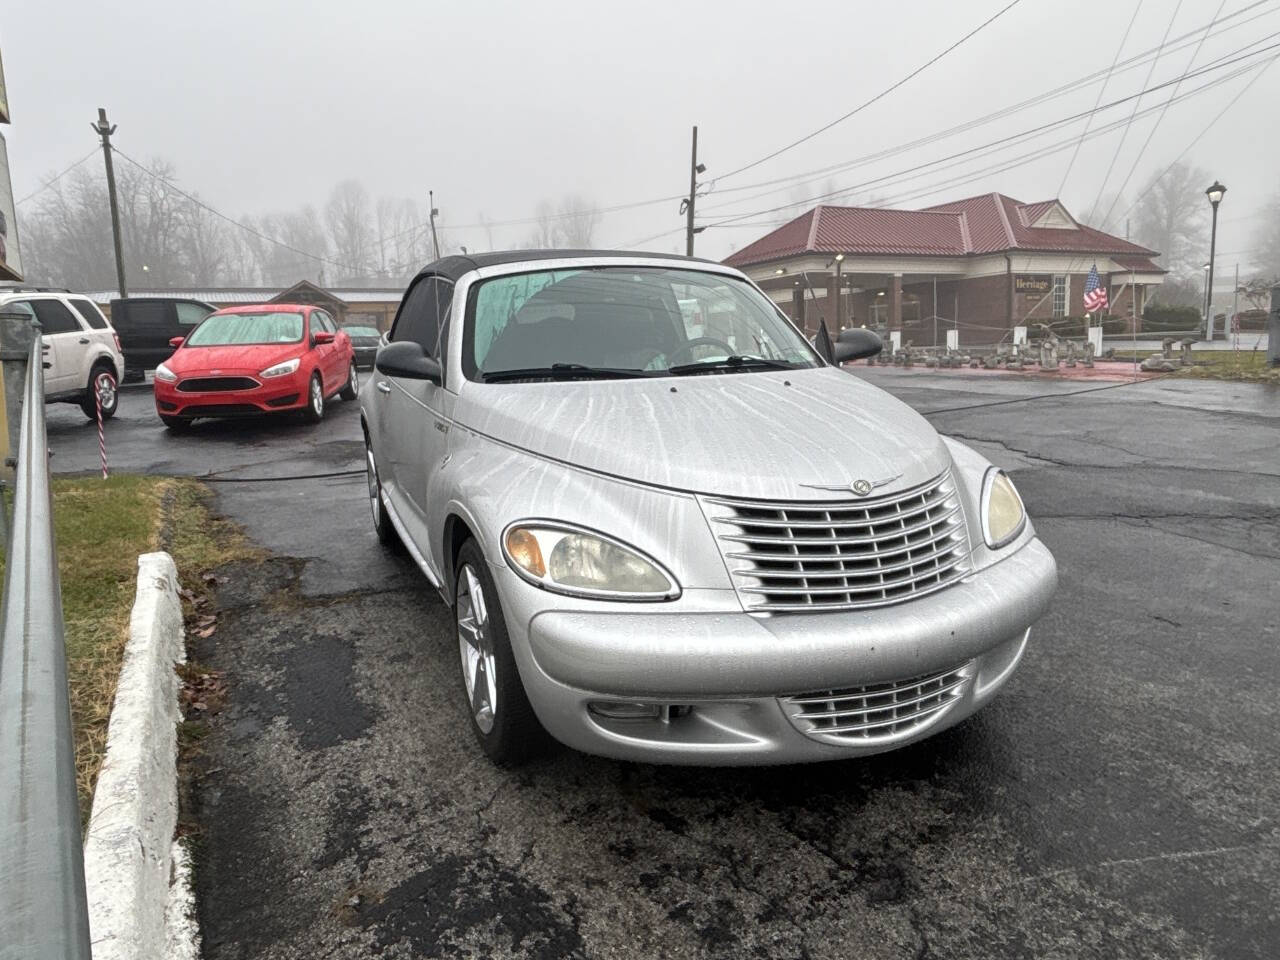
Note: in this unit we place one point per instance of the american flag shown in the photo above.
(1095, 294)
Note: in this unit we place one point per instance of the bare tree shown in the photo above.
(544, 235)
(1266, 242)
(577, 222)
(350, 223)
(1172, 218)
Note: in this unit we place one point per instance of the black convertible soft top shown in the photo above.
(455, 266)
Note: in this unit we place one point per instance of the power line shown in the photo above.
(1200, 136)
(1106, 217)
(49, 183)
(1101, 90)
(1124, 66)
(879, 96)
(1026, 134)
(1102, 186)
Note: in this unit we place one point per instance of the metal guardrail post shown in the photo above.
(16, 334)
(43, 914)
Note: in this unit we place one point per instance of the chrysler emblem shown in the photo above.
(859, 488)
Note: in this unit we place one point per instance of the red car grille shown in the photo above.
(216, 384)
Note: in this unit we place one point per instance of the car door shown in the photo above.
(415, 427)
(64, 341)
(100, 331)
(326, 353)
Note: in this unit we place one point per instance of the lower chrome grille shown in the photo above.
(845, 554)
(877, 712)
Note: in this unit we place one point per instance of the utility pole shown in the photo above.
(686, 205)
(104, 129)
(435, 241)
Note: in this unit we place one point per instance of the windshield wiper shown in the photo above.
(563, 371)
(735, 362)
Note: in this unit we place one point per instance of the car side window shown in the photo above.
(54, 317)
(189, 314)
(419, 317)
(23, 307)
(444, 302)
(89, 312)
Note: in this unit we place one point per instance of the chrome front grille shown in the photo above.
(842, 555)
(878, 712)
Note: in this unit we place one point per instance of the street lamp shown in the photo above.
(1215, 194)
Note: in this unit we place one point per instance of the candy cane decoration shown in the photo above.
(97, 398)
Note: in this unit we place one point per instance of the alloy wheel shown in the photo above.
(475, 647)
(354, 380)
(375, 488)
(104, 384)
(317, 396)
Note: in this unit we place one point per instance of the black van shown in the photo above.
(147, 324)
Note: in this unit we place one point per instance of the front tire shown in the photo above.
(501, 717)
(382, 524)
(314, 410)
(352, 389)
(102, 385)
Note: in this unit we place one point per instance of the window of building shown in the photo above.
(1059, 296)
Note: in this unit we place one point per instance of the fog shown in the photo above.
(498, 107)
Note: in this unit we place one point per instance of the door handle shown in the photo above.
(384, 386)
(84, 339)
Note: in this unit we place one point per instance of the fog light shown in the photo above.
(617, 710)
(622, 710)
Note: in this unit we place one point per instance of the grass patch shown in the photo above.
(1249, 366)
(100, 527)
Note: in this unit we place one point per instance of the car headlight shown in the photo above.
(280, 369)
(1003, 515)
(582, 563)
(165, 374)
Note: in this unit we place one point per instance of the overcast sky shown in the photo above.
(263, 106)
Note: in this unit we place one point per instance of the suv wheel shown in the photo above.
(352, 389)
(314, 411)
(101, 388)
(501, 718)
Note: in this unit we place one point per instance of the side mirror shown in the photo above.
(408, 360)
(176, 342)
(321, 337)
(855, 344)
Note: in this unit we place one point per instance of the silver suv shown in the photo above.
(671, 531)
(81, 350)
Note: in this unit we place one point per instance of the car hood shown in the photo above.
(249, 357)
(755, 435)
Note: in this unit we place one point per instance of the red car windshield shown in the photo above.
(240, 329)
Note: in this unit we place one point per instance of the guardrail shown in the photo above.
(43, 915)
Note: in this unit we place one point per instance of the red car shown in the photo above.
(256, 359)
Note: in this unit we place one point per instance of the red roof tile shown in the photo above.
(991, 223)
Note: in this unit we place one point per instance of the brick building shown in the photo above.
(979, 266)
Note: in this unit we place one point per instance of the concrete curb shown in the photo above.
(137, 877)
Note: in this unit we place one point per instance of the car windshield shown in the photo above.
(602, 322)
(362, 332)
(227, 329)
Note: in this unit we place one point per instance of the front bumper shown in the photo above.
(273, 394)
(732, 669)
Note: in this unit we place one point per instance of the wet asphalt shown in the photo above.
(1120, 798)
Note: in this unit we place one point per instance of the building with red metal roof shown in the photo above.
(980, 266)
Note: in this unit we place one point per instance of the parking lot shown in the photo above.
(1119, 799)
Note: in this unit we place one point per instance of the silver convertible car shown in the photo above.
(669, 530)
